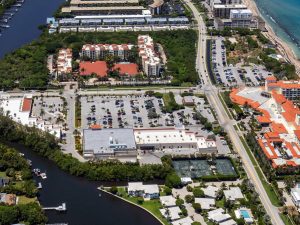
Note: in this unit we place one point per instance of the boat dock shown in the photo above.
(60, 208)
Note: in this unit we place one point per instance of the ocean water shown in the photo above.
(284, 18)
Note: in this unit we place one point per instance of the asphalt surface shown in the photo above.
(212, 95)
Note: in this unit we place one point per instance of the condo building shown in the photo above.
(150, 60)
(64, 61)
(100, 51)
(97, 7)
(289, 89)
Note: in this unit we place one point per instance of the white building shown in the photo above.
(183, 221)
(64, 61)
(167, 201)
(171, 213)
(172, 138)
(150, 60)
(206, 203)
(147, 191)
(218, 215)
(19, 110)
(210, 191)
(99, 51)
(233, 194)
(245, 214)
(295, 193)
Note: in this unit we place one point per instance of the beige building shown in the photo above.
(150, 60)
(64, 61)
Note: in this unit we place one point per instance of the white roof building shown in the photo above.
(295, 193)
(135, 186)
(150, 60)
(170, 138)
(183, 221)
(167, 201)
(228, 222)
(218, 215)
(210, 191)
(148, 191)
(234, 193)
(206, 203)
(171, 213)
(19, 110)
(151, 189)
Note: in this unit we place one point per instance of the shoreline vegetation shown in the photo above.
(282, 46)
(6, 4)
(45, 145)
(27, 210)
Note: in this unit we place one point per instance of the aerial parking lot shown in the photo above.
(230, 75)
(139, 111)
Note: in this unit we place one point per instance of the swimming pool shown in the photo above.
(245, 214)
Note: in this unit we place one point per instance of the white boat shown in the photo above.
(37, 171)
(43, 176)
(39, 185)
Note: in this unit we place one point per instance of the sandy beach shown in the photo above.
(283, 47)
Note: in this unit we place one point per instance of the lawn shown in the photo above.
(220, 203)
(286, 219)
(24, 200)
(225, 107)
(2, 174)
(151, 205)
(170, 103)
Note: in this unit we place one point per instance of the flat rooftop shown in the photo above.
(109, 8)
(108, 140)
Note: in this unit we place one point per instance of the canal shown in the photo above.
(86, 205)
(24, 24)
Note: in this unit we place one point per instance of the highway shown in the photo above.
(212, 94)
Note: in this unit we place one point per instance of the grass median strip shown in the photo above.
(225, 107)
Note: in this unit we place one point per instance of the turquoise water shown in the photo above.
(245, 214)
(284, 18)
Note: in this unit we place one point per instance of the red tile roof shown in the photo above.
(98, 67)
(279, 128)
(95, 126)
(263, 119)
(271, 78)
(297, 133)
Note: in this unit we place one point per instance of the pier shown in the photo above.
(61, 208)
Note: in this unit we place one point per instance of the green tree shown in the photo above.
(197, 207)
(173, 181)
(198, 192)
(189, 198)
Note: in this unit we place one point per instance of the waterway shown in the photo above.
(86, 205)
(24, 24)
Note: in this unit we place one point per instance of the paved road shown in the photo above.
(212, 95)
(69, 147)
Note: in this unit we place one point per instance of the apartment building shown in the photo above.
(238, 18)
(64, 61)
(150, 60)
(99, 51)
(289, 89)
(96, 7)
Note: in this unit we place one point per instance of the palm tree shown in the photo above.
(42, 113)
